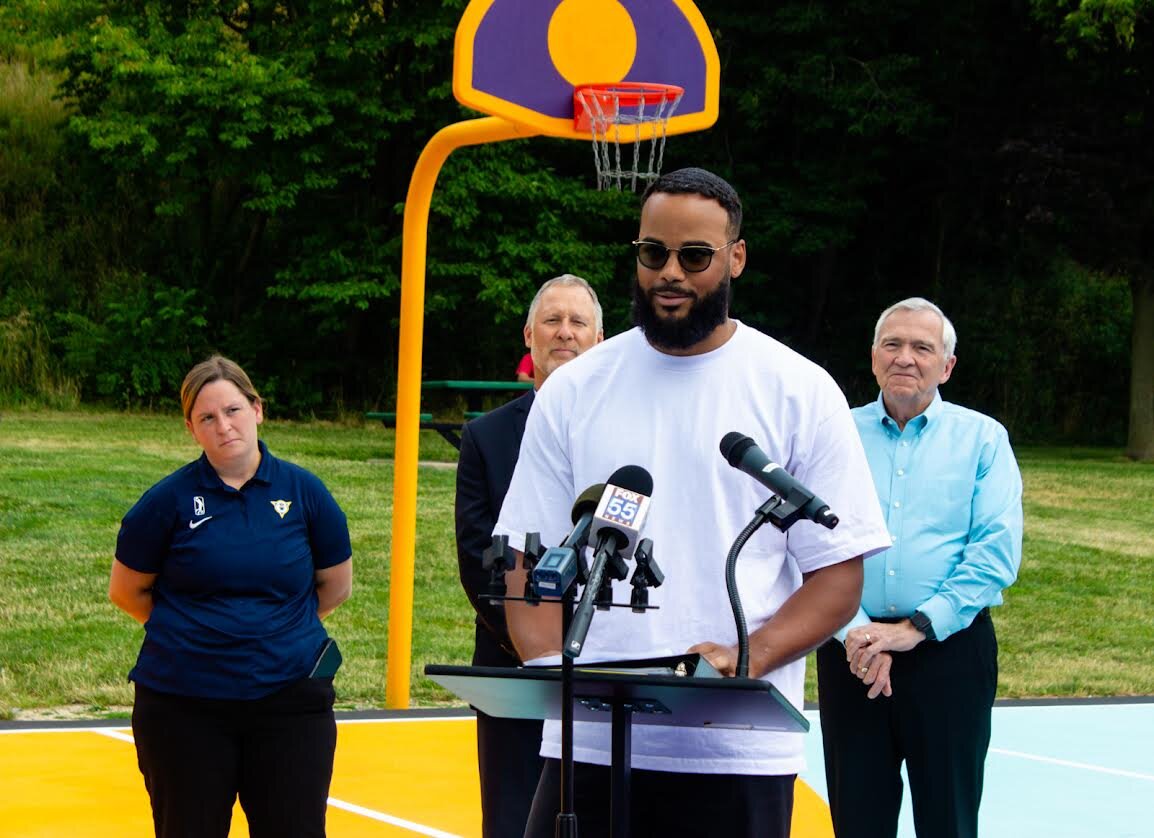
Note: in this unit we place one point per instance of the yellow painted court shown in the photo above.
(405, 775)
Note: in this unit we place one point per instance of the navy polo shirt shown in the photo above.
(234, 604)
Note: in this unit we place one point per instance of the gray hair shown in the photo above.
(570, 280)
(949, 336)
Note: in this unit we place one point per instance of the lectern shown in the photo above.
(681, 691)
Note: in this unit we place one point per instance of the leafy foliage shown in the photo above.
(141, 345)
(248, 163)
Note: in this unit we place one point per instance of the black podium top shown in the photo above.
(692, 700)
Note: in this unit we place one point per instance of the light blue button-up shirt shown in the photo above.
(951, 492)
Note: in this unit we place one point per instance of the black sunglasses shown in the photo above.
(693, 258)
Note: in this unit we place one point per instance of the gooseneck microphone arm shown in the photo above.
(763, 514)
(790, 502)
(735, 597)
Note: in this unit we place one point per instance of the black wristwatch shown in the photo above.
(922, 623)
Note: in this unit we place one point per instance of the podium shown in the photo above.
(624, 693)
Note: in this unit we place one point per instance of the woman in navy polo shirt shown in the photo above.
(230, 563)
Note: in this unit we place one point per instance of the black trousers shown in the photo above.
(507, 756)
(663, 803)
(937, 721)
(275, 753)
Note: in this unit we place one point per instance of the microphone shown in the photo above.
(741, 452)
(617, 522)
(556, 570)
(621, 511)
(582, 516)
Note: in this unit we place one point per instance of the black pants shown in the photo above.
(507, 756)
(937, 721)
(663, 803)
(198, 755)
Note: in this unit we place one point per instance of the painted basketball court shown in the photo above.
(1083, 770)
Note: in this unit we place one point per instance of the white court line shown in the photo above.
(389, 819)
(1101, 769)
(112, 733)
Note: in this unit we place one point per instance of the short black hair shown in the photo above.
(694, 181)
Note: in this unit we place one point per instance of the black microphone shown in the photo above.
(741, 452)
(556, 570)
(620, 514)
(582, 516)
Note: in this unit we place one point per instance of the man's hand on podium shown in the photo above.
(722, 658)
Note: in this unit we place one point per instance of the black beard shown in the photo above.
(705, 314)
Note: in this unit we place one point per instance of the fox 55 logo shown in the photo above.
(624, 507)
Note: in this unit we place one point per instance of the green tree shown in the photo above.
(260, 154)
(1085, 165)
(872, 142)
(231, 175)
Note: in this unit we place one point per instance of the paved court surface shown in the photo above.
(1076, 770)
(1081, 770)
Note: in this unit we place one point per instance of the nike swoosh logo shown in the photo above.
(192, 525)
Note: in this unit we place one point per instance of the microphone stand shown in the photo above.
(575, 633)
(566, 824)
(498, 558)
(608, 564)
(783, 514)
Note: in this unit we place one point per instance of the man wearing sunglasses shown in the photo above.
(564, 320)
(661, 396)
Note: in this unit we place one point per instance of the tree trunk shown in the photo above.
(1140, 444)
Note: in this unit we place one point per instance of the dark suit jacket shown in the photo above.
(489, 447)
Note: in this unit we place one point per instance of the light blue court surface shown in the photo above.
(1082, 770)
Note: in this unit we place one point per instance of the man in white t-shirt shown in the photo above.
(662, 396)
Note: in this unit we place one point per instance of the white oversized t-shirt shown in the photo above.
(624, 403)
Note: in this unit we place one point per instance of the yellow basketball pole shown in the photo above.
(414, 247)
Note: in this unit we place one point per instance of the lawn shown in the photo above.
(1077, 623)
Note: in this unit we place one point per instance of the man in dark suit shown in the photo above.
(564, 320)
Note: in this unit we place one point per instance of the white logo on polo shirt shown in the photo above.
(281, 506)
(192, 525)
(198, 506)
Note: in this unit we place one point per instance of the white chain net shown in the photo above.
(648, 120)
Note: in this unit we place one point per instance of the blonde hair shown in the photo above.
(216, 368)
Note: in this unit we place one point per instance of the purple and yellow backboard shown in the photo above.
(520, 59)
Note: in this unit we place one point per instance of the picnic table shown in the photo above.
(474, 393)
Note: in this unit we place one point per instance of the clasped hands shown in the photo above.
(868, 648)
(867, 651)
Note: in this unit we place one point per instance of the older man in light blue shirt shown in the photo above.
(922, 640)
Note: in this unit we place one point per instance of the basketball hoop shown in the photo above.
(629, 113)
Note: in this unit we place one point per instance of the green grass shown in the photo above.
(67, 478)
(1077, 622)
